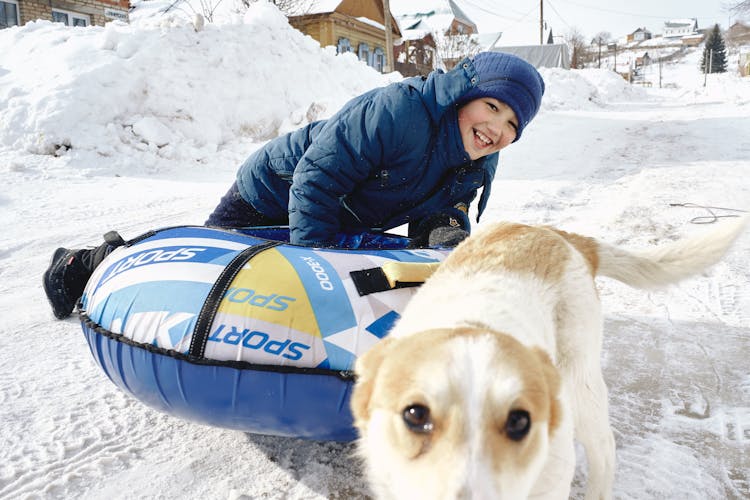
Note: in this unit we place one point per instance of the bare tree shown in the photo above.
(601, 38)
(578, 48)
(200, 9)
(451, 49)
(289, 7)
(740, 8)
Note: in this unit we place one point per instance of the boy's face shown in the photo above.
(487, 126)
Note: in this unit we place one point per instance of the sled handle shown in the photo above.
(392, 275)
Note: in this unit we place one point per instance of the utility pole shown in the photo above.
(615, 57)
(388, 37)
(659, 56)
(710, 64)
(541, 22)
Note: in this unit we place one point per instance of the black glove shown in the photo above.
(446, 236)
(446, 229)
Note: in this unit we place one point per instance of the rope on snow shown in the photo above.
(708, 219)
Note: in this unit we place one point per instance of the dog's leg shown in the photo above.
(592, 429)
(579, 337)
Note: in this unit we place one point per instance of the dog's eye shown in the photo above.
(417, 419)
(518, 424)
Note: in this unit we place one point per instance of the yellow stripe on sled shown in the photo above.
(269, 289)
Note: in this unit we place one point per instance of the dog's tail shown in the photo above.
(671, 262)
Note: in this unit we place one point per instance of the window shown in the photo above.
(378, 59)
(364, 53)
(343, 46)
(8, 14)
(70, 18)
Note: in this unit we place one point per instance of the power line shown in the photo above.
(612, 11)
(493, 12)
(513, 20)
(558, 14)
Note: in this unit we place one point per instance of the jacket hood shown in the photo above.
(441, 91)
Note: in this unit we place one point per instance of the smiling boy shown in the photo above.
(414, 152)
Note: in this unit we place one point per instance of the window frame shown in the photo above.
(344, 45)
(18, 13)
(364, 53)
(71, 17)
(378, 59)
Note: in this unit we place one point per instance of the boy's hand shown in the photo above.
(446, 236)
(446, 229)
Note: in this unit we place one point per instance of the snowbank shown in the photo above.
(169, 90)
(585, 89)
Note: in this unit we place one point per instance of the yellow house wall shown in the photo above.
(328, 30)
(31, 10)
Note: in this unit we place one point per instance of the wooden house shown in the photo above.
(68, 12)
(351, 26)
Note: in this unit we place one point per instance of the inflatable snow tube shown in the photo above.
(239, 329)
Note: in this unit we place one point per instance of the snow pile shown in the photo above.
(585, 89)
(171, 91)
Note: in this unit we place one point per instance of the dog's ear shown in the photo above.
(366, 369)
(552, 377)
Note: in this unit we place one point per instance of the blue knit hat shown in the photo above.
(509, 79)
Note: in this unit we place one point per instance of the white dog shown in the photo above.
(493, 368)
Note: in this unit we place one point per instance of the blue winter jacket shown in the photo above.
(391, 156)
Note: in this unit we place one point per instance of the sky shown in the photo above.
(149, 132)
(590, 16)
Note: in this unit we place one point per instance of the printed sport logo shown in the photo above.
(274, 301)
(155, 256)
(257, 340)
(320, 273)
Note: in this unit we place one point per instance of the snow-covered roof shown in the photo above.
(371, 22)
(439, 14)
(415, 31)
(323, 6)
(487, 40)
(674, 23)
(460, 14)
(418, 7)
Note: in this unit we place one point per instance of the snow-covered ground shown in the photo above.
(137, 127)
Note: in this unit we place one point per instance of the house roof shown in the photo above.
(323, 6)
(676, 23)
(318, 7)
(439, 14)
(415, 30)
(460, 15)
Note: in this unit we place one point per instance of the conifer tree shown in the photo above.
(714, 53)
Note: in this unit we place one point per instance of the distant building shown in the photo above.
(416, 53)
(351, 26)
(642, 59)
(443, 18)
(68, 12)
(639, 35)
(678, 28)
(744, 62)
(738, 34)
(541, 56)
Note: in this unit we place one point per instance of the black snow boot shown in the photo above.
(70, 270)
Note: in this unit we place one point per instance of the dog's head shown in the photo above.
(446, 412)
